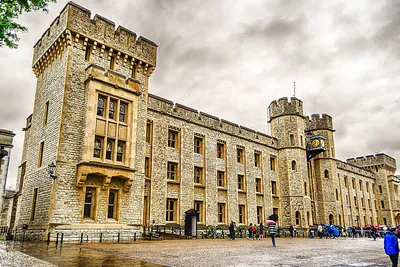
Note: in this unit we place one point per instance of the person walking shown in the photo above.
(311, 231)
(272, 231)
(232, 230)
(250, 231)
(261, 230)
(291, 230)
(320, 231)
(254, 230)
(391, 246)
(373, 230)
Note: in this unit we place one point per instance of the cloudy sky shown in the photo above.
(231, 60)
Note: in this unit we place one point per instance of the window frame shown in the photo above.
(240, 155)
(92, 203)
(171, 213)
(242, 214)
(221, 213)
(173, 138)
(113, 205)
(241, 182)
(172, 174)
(41, 153)
(220, 150)
(121, 153)
(198, 179)
(198, 145)
(259, 187)
(257, 159)
(35, 195)
(223, 179)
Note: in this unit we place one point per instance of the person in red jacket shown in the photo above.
(391, 246)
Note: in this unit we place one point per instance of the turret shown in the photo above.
(322, 124)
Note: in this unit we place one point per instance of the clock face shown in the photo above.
(315, 143)
(322, 142)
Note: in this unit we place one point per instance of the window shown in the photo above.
(40, 158)
(258, 185)
(298, 218)
(367, 186)
(112, 62)
(260, 215)
(380, 189)
(326, 174)
(240, 155)
(198, 205)
(111, 109)
(171, 209)
(355, 202)
(149, 128)
(273, 187)
(305, 189)
(292, 139)
(331, 221)
(198, 175)
(198, 145)
(373, 188)
(112, 204)
(337, 194)
(384, 221)
(122, 112)
(275, 211)
(272, 163)
(360, 184)
(242, 214)
(89, 205)
(257, 159)
(220, 150)
(301, 140)
(353, 181)
(221, 212)
(221, 179)
(382, 204)
(120, 151)
(172, 169)
(101, 103)
(369, 203)
(109, 149)
(293, 165)
(34, 203)
(173, 138)
(147, 167)
(241, 185)
(346, 182)
(362, 202)
(88, 52)
(98, 143)
(45, 113)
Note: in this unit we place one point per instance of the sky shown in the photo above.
(232, 58)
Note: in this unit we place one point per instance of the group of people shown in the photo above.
(254, 231)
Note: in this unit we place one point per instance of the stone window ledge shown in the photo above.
(199, 185)
(222, 188)
(173, 181)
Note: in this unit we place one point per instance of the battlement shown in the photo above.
(373, 160)
(320, 122)
(191, 115)
(74, 25)
(285, 107)
(354, 169)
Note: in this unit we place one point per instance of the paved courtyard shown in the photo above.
(241, 252)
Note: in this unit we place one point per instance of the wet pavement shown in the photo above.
(213, 252)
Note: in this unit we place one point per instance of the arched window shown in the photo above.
(298, 218)
(305, 188)
(97, 148)
(109, 150)
(331, 219)
(293, 165)
(326, 174)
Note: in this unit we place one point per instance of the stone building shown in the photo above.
(127, 159)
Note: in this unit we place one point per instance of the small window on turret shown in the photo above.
(112, 62)
(88, 53)
(291, 139)
(301, 141)
(326, 174)
(293, 165)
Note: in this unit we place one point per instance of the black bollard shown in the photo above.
(57, 240)
(118, 237)
(81, 238)
(48, 238)
(134, 236)
(101, 237)
(223, 234)
(62, 237)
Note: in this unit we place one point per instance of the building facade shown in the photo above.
(127, 159)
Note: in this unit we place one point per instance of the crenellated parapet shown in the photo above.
(320, 122)
(74, 26)
(179, 111)
(372, 161)
(284, 107)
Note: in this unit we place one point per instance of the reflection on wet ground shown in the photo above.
(75, 255)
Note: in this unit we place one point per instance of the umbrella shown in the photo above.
(269, 222)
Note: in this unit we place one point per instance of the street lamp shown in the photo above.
(52, 168)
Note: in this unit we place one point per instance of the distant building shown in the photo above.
(127, 159)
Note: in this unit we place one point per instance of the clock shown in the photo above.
(315, 143)
(322, 142)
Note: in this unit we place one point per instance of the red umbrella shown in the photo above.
(269, 222)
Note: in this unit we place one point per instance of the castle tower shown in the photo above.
(288, 125)
(323, 173)
(90, 110)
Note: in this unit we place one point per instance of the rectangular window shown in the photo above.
(34, 203)
(147, 167)
(120, 151)
(221, 212)
(292, 139)
(380, 189)
(88, 53)
(240, 155)
(257, 159)
(384, 221)
(89, 205)
(373, 188)
(220, 150)
(346, 182)
(40, 158)
(360, 184)
(173, 138)
(260, 215)
(367, 185)
(241, 185)
(242, 214)
(172, 169)
(258, 185)
(110, 149)
(382, 204)
(45, 113)
(198, 175)
(273, 187)
(149, 129)
(123, 108)
(353, 183)
(112, 62)
(221, 179)
(337, 194)
(101, 104)
(301, 140)
(362, 202)
(275, 211)
(369, 203)
(111, 109)
(355, 201)
(272, 163)
(171, 209)
(98, 147)
(198, 145)
(198, 205)
(112, 204)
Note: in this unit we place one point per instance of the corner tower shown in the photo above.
(288, 125)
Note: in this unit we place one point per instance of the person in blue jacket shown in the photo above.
(391, 246)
